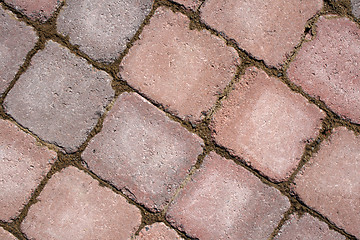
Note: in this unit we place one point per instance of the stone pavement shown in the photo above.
(183, 119)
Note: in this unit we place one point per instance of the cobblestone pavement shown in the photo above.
(183, 119)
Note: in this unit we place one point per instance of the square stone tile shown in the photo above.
(158, 231)
(60, 97)
(266, 124)
(142, 152)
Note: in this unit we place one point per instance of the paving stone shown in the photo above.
(267, 30)
(330, 182)
(74, 206)
(102, 29)
(266, 124)
(142, 152)
(60, 97)
(158, 231)
(356, 8)
(5, 235)
(16, 40)
(192, 4)
(307, 228)
(225, 201)
(36, 9)
(328, 67)
(23, 164)
(182, 69)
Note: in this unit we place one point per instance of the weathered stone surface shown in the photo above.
(5, 235)
(16, 40)
(267, 30)
(102, 29)
(266, 124)
(192, 4)
(356, 8)
(328, 66)
(36, 9)
(60, 97)
(74, 206)
(330, 182)
(307, 228)
(182, 69)
(225, 201)
(23, 164)
(158, 231)
(142, 152)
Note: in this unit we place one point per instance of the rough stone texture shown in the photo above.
(269, 30)
(74, 206)
(182, 69)
(356, 8)
(142, 152)
(23, 164)
(265, 123)
(102, 29)
(36, 9)
(192, 4)
(225, 201)
(307, 228)
(60, 97)
(5, 235)
(16, 40)
(158, 231)
(330, 182)
(329, 66)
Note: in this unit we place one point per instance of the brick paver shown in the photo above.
(158, 231)
(192, 4)
(36, 9)
(60, 97)
(265, 123)
(23, 164)
(142, 152)
(328, 66)
(74, 206)
(5, 235)
(330, 183)
(102, 29)
(307, 227)
(225, 201)
(16, 40)
(182, 69)
(267, 30)
(356, 8)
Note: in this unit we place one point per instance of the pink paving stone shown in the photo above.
(329, 66)
(182, 69)
(74, 206)
(158, 231)
(192, 4)
(5, 235)
(16, 40)
(36, 9)
(23, 164)
(225, 201)
(265, 123)
(330, 182)
(102, 28)
(142, 152)
(269, 30)
(60, 97)
(307, 228)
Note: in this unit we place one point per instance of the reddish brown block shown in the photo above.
(267, 30)
(330, 182)
(158, 231)
(225, 201)
(182, 69)
(23, 164)
(328, 66)
(142, 152)
(266, 124)
(192, 4)
(74, 206)
(307, 228)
